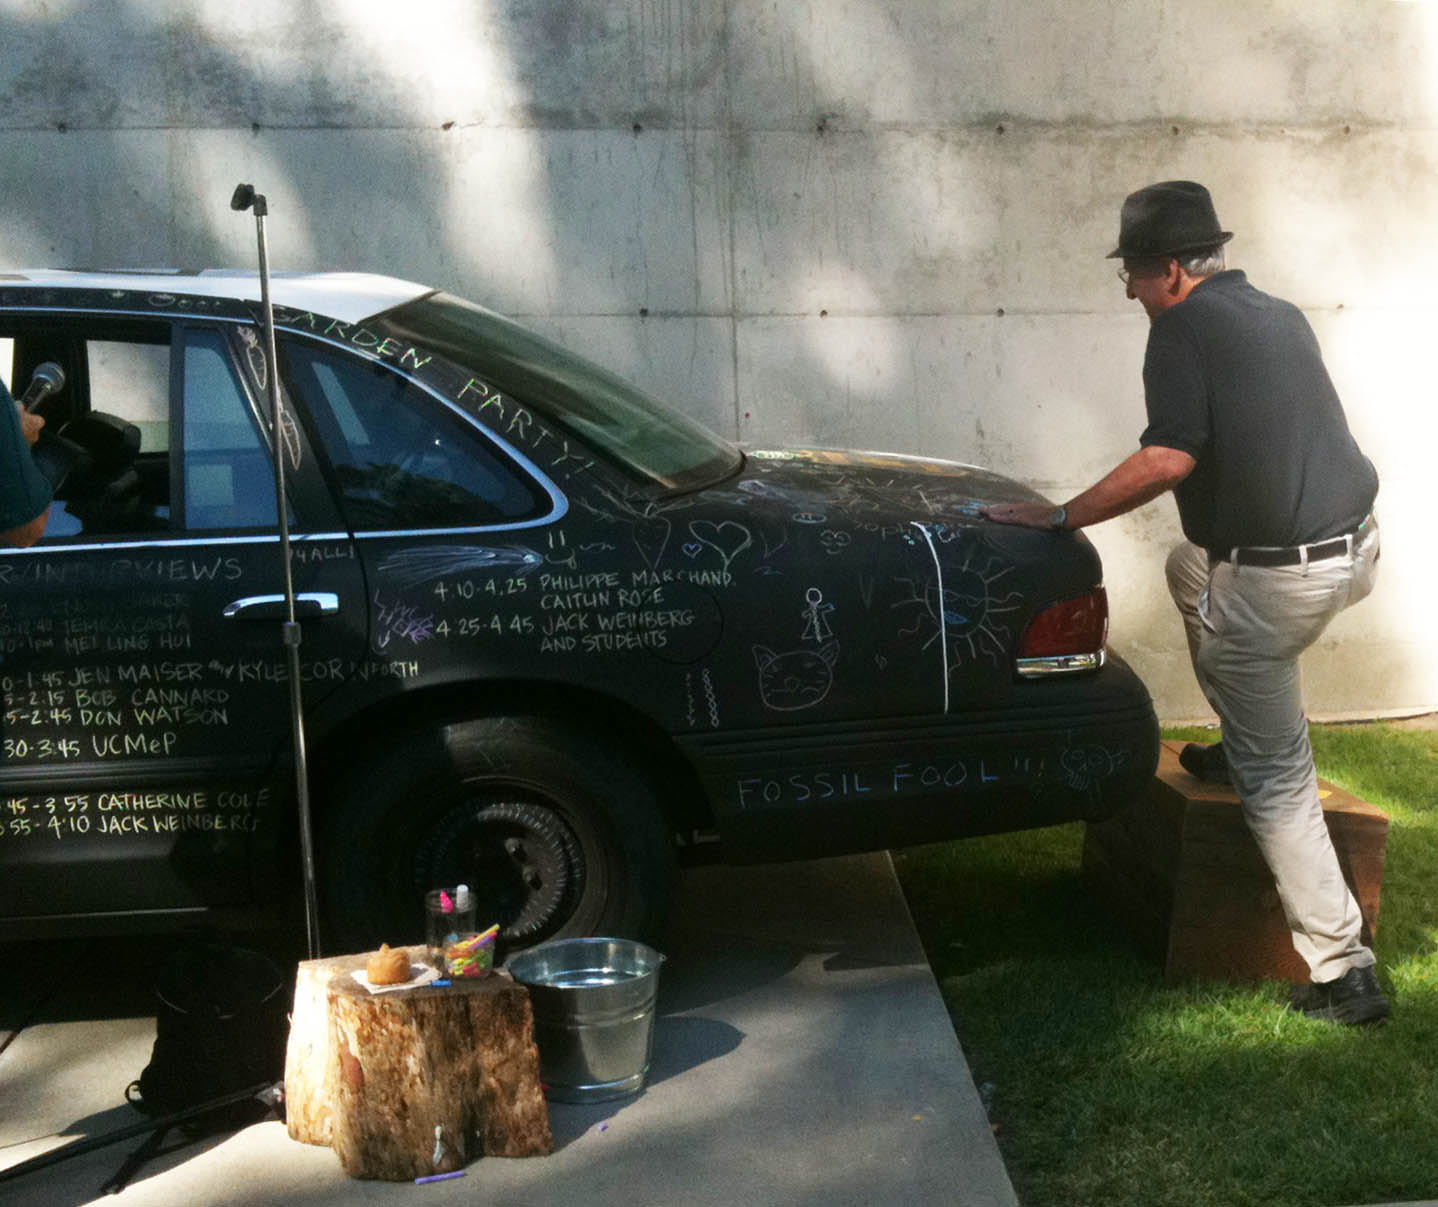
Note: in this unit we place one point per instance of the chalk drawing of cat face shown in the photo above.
(795, 679)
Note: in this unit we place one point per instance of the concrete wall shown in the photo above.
(876, 223)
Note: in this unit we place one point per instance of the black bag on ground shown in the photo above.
(220, 1027)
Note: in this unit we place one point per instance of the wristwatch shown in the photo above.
(1058, 517)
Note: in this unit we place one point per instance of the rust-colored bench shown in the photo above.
(1180, 868)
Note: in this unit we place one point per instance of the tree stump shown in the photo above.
(309, 1059)
(396, 1066)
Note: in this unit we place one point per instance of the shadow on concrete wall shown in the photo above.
(860, 225)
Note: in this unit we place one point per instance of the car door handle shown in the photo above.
(272, 607)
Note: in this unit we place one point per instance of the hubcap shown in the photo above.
(521, 860)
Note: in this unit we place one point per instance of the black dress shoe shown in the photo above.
(1207, 763)
(1354, 998)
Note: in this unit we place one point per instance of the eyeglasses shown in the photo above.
(1151, 270)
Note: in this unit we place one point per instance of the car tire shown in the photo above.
(555, 832)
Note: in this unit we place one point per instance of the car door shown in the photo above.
(146, 733)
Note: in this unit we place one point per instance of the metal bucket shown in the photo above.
(593, 1003)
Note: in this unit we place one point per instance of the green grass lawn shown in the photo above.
(1109, 1089)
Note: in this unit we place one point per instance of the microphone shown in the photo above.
(47, 379)
(245, 197)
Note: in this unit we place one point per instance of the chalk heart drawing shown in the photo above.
(795, 679)
(727, 538)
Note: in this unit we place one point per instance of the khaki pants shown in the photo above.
(1246, 627)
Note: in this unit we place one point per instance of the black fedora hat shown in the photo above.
(1167, 219)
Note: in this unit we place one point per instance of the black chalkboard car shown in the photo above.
(557, 637)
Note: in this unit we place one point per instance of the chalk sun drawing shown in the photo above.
(969, 610)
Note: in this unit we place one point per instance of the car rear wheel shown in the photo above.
(553, 830)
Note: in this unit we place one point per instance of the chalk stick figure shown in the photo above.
(816, 624)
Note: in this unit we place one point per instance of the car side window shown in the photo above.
(153, 432)
(133, 380)
(228, 475)
(399, 458)
(107, 429)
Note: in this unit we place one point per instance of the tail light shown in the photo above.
(1065, 637)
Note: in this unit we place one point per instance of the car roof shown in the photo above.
(347, 296)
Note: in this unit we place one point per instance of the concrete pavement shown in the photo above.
(802, 1056)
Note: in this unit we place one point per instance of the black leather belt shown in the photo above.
(1294, 555)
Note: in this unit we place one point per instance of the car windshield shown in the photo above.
(644, 435)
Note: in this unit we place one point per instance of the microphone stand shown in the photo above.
(245, 198)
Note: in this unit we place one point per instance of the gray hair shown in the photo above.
(1204, 262)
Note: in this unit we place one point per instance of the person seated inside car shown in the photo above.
(24, 491)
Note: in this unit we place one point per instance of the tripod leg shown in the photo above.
(135, 1160)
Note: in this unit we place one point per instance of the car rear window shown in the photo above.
(645, 436)
(401, 461)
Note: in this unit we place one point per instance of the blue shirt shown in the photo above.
(24, 491)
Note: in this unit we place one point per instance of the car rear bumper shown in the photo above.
(1058, 751)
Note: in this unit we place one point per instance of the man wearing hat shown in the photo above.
(1275, 499)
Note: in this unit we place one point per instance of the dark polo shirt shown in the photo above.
(1234, 377)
